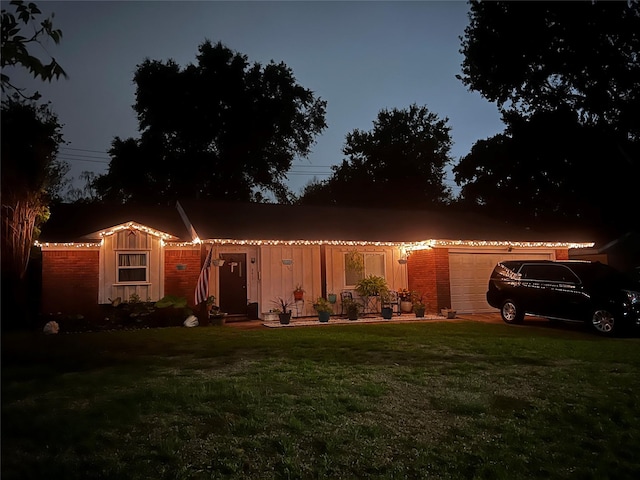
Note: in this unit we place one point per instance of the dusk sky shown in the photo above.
(360, 57)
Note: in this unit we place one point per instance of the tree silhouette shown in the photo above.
(398, 163)
(30, 175)
(16, 44)
(566, 77)
(222, 128)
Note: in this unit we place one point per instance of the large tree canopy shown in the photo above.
(534, 56)
(398, 163)
(548, 170)
(31, 176)
(222, 128)
(566, 77)
(20, 32)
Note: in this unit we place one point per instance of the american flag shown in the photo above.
(202, 288)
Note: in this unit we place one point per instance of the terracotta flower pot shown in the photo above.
(406, 306)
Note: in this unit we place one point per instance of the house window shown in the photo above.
(132, 268)
(359, 265)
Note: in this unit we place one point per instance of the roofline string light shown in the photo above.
(427, 244)
(405, 247)
(136, 226)
(68, 245)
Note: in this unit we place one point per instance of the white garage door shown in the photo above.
(469, 275)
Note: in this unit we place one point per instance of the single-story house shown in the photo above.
(94, 254)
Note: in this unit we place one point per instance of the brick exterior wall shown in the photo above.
(428, 272)
(181, 283)
(70, 281)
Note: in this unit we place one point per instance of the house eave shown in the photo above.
(68, 245)
(419, 245)
(130, 226)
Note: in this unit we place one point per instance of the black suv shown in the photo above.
(565, 290)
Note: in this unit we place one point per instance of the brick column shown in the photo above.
(428, 272)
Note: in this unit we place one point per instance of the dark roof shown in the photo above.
(252, 221)
(255, 221)
(74, 222)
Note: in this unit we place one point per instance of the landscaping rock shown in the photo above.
(51, 328)
(191, 321)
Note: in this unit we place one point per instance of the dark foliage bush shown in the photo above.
(125, 316)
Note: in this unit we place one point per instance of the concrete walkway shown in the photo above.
(339, 320)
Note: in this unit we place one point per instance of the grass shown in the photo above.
(457, 400)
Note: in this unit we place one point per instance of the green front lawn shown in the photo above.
(456, 400)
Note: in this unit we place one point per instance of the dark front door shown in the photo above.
(233, 283)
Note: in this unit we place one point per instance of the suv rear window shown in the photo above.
(551, 273)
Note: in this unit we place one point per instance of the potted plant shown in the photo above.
(210, 302)
(354, 262)
(216, 316)
(419, 306)
(405, 297)
(298, 293)
(448, 313)
(386, 309)
(371, 286)
(285, 312)
(332, 297)
(352, 308)
(324, 309)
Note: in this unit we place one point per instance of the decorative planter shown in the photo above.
(446, 313)
(217, 262)
(406, 306)
(352, 315)
(387, 313)
(333, 298)
(270, 316)
(218, 319)
(285, 318)
(298, 296)
(324, 316)
(420, 312)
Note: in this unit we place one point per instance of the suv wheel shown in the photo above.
(510, 312)
(603, 321)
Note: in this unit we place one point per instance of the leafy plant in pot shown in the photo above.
(216, 316)
(406, 300)
(419, 307)
(372, 286)
(324, 309)
(298, 293)
(352, 308)
(386, 309)
(285, 312)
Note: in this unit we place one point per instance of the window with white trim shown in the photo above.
(133, 267)
(359, 265)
